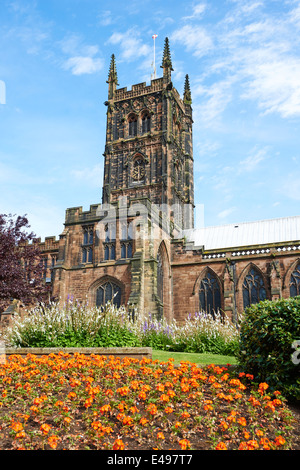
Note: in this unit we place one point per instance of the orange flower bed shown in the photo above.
(67, 401)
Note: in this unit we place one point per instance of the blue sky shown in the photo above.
(243, 60)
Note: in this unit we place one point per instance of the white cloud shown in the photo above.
(194, 38)
(225, 213)
(254, 159)
(131, 45)
(83, 65)
(198, 10)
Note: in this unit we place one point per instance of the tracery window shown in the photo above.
(132, 125)
(146, 122)
(253, 288)
(87, 248)
(108, 292)
(210, 294)
(295, 282)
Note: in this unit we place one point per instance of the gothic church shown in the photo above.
(139, 246)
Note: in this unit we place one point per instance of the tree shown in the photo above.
(21, 268)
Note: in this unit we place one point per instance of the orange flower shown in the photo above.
(160, 387)
(17, 426)
(142, 396)
(177, 424)
(144, 421)
(118, 445)
(265, 443)
(262, 387)
(242, 421)
(105, 409)
(279, 441)
(259, 433)
(67, 420)
(252, 445)
(45, 428)
(185, 415)
(160, 435)
(223, 425)
(152, 409)
(164, 398)
(52, 440)
(184, 444)
(221, 446)
(169, 409)
(127, 421)
(123, 391)
(72, 395)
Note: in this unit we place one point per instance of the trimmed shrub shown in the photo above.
(267, 334)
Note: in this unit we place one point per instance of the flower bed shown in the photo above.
(75, 401)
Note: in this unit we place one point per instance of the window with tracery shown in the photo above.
(295, 282)
(146, 122)
(210, 294)
(87, 246)
(253, 288)
(132, 125)
(108, 292)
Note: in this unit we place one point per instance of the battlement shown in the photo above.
(139, 89)
(78, 215)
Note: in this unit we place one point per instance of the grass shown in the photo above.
(77, 402)
(200, 359)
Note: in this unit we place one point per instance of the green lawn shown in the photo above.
(201, 359)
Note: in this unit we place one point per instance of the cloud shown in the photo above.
(198, 10)
(83, 65)
(82, 60)
(254, 159)
(225, 213)
(194, 38)
(130, 44)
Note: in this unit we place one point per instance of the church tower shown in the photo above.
(149, 151)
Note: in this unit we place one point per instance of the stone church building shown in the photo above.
(139, 246)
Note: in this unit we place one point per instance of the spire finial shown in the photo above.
(187, 96)
(167, 61)
(112, 75)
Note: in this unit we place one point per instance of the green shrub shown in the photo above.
(266, 337)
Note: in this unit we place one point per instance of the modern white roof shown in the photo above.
(246, 233)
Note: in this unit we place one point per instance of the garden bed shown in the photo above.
(89, 402)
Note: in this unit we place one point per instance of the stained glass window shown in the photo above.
(160, 277)
(253, 288)
(209, 294)
(295, 282)
(107, 292)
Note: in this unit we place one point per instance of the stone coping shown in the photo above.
(138, 353)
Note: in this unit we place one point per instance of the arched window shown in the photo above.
(132, 125)
(253, 288)
(108, 291)
(146, 122)
(295, 282)
(160, 277)
(209, 294)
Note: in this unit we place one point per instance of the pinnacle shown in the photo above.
(112, 75)
(167, 61)
(187, 97)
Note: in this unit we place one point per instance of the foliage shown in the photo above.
(72, 325)
(80, 402)
(21, 270)
(266, 337)
(76, 324)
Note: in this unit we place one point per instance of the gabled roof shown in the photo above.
(246, 233)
